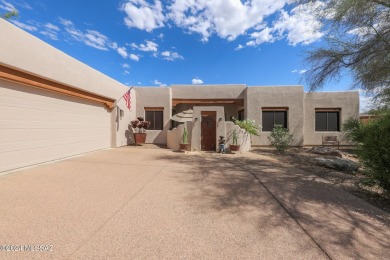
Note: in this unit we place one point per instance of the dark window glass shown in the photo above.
(321, 121)
(327, 121)
(333, 121)
(271, 118)
(268, 120)
(155, 118)
(158, 120)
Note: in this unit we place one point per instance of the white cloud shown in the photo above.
(299, 71)
(91, 38)
(7, 6)
(160, 36)
(149, 46)
(24, 26)
(65, 22)
(126, 72)
(125, 66)
(227, 18)
(52, 27)
(50, 30)
(134, 57)
(366, 102)
(143, 15)
(230, 18)
(197, 81)
(239, 47)
(122, 51)
(301, 25)
(51, 34)
(171, 56)
(159, 83)
(139, 83)
(259, 37)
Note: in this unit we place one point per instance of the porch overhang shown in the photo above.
(202, 102)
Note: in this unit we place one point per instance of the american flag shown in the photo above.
(127, 98)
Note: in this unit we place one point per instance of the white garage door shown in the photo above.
(38, 126)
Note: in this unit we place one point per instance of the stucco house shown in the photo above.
(52, 106)
(308, 116)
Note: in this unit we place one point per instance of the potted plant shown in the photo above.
(139, 129)
(184, 145)
(235, 146)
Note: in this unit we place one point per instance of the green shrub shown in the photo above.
(280, 138)
(373, 140)
(248, 125)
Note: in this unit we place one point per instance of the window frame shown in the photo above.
(274, 110)
(154, 110)
(327, 111)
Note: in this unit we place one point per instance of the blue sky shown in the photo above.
(158, 43)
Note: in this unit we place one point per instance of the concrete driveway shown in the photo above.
(135, 203)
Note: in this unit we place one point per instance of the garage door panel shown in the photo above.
(38, 126)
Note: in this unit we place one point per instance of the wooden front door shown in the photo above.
(208, 130)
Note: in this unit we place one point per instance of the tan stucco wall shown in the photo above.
(122, 132)
(196, 126)
(283, 96)
(24, 51)
(244, 138)
(347, 101)
(155, 97)
(175, 136)
(208, 91)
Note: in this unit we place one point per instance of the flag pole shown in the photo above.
(115, 104)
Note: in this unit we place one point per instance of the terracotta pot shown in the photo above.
(139, 138)
(185, 147)
(234, 147)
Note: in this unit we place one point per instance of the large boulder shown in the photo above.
(326, 151)
(337, 164)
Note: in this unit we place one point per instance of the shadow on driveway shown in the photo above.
(342, 225)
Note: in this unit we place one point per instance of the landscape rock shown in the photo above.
(337, 164)
(326, 151)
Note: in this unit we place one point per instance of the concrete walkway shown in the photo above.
(134, 203)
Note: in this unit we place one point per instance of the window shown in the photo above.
(327, 121)
(241, 115)
(155, 117)
(274, 117)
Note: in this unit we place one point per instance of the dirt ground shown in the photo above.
(358, 184)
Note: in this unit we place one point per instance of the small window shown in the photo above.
(241, 115)
(155, 118)
(272, 118)
(328, 121)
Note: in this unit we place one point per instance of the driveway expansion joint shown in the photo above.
(281, 205)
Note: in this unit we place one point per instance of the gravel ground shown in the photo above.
(357, 184)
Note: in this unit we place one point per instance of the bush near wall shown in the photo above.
(373, 140)
(280, 138)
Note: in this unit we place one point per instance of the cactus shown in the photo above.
(235, 137)
(185, 136)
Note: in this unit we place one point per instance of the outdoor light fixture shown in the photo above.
(219, 120)
(196, 120)
(121, 113)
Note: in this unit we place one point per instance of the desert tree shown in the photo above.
(356, 41)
